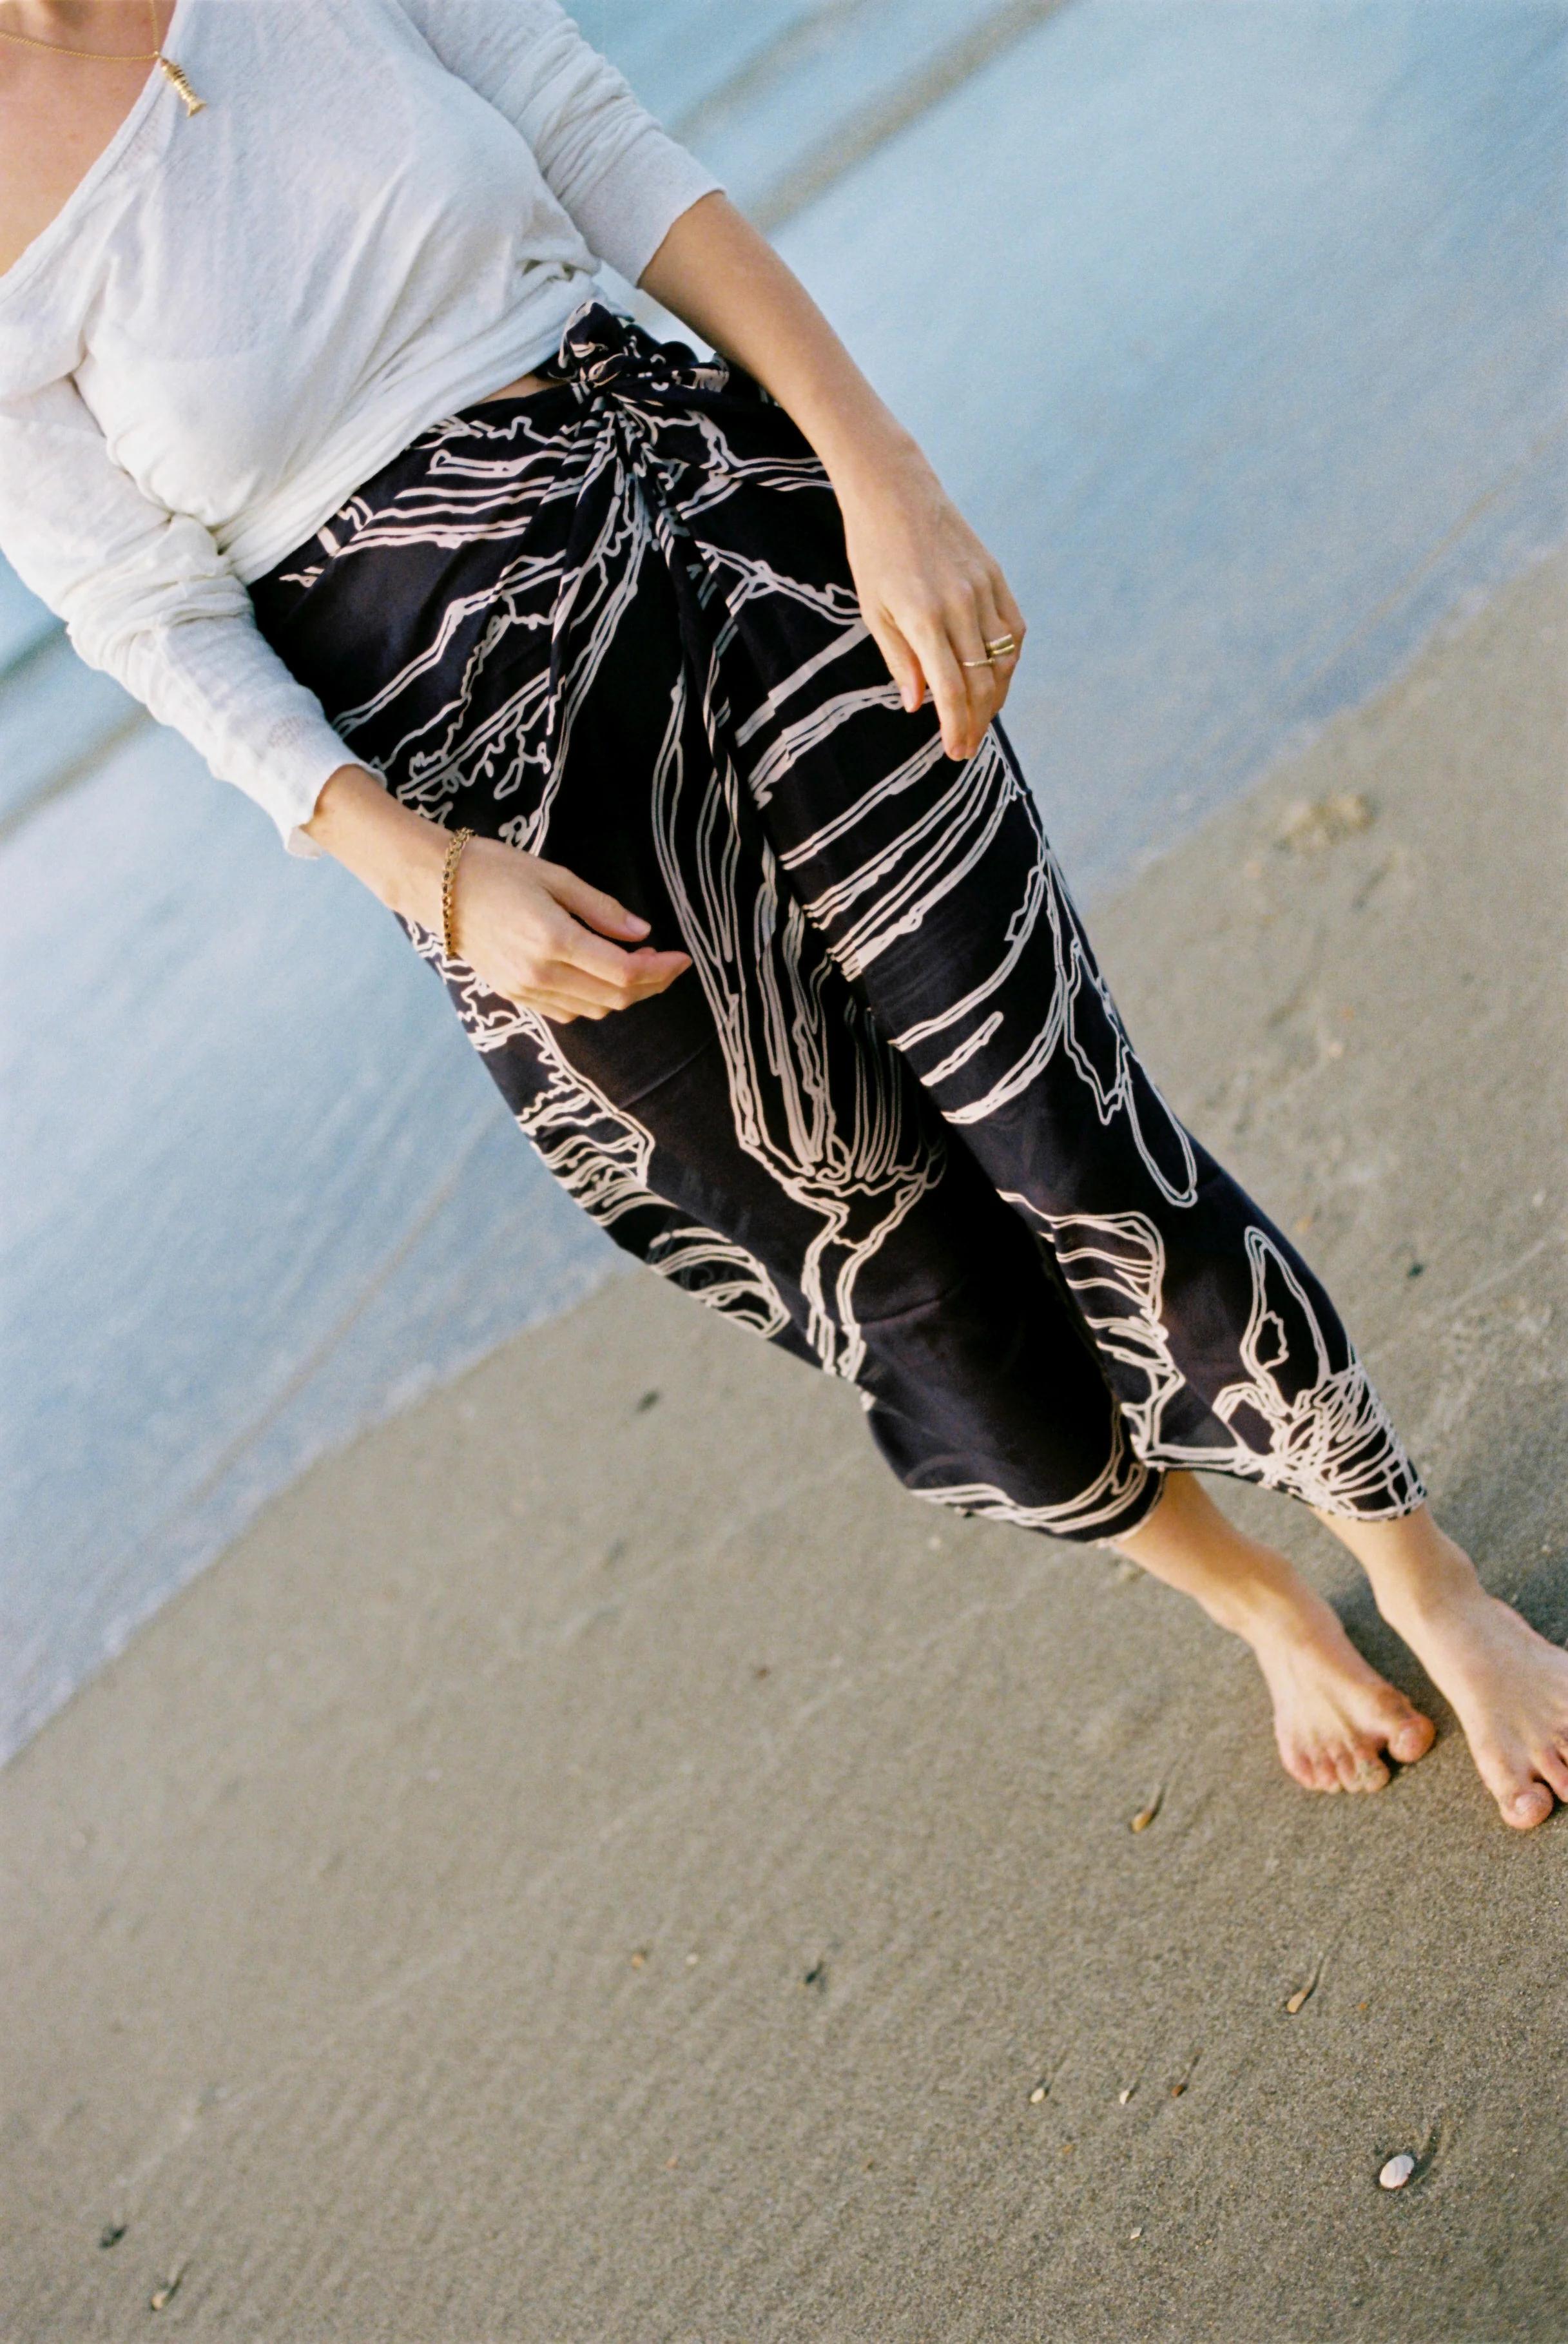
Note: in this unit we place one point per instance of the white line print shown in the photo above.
(854, 1154)
(1326, 1436)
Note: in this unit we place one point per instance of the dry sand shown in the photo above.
(597, 1865)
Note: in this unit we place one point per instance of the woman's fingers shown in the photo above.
(983, 675)
(591, 904)
(558, 1011)
(995, 625)
(1007, 610)
(645, 974)
(902, 664)
(981, 613)
(605, 970)
(602, 974)
(964, 695)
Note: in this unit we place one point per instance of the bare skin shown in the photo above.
(1336, 1722)
(931, 596)
(57, 114)
(1506, 1685)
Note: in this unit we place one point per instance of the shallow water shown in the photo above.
(1235, 325)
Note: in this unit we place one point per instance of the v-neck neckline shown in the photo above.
(102, 163)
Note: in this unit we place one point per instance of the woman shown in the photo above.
(657, 699)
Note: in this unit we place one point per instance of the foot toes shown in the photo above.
(1313, 1771)
(1553, 1765)
(1412, 1738)
(1527, 1807)
(1363, 1770)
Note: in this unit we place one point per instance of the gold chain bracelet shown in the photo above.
(455, 844)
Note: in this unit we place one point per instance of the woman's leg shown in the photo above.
(1334, 1716)
(492, 620)
(937, 895)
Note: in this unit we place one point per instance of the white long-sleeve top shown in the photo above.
(387, 209)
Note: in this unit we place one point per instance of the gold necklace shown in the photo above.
(173, 72)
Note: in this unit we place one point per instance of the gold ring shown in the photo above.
(1000, 645)
(988, 662)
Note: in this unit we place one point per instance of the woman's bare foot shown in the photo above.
(1507, 1686)
(1334, 1716)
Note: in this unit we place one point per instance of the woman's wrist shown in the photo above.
(395, 852)
(873, 469)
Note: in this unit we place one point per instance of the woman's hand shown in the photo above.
(540, 936)
(932, 596)
(530, 931)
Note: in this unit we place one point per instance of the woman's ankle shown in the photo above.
(1185, 1542)
(1415, 1569)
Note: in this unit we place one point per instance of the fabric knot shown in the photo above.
(602, 350)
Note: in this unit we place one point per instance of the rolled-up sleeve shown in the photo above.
(146, 595)
(616, 173)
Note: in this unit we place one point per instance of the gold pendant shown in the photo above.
(193, 105)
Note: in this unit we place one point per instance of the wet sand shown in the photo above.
(597, 1865)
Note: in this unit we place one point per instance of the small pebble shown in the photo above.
(1134, 2233)
(111, 2234)
(1145, 1815)
(166, 2292)
(1298, 2000)
(1037, 2096)
(1397, 2171)
(690, 1961)
(1125, 2095)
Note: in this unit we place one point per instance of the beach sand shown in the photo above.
(597, 1865)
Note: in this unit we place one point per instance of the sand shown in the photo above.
(597, 1865)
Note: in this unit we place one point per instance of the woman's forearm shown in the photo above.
(726, 280)
(942, 613)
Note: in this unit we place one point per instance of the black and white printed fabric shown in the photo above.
(890, 1118)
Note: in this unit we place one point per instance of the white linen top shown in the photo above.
(387, 209)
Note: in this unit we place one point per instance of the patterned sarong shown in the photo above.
(890, 1118)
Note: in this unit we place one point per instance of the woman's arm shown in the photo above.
(930, 593)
